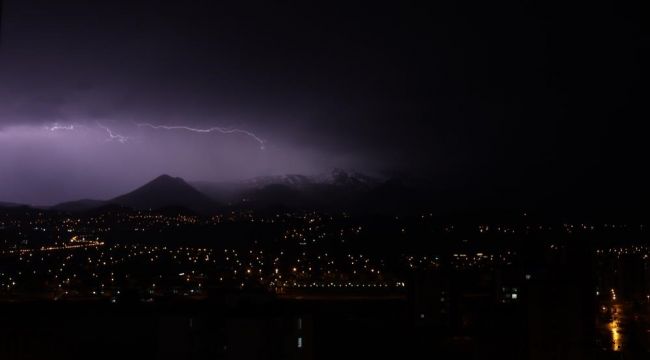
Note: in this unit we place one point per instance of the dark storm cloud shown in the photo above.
(495, 95)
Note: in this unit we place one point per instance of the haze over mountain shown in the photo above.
(290, 184)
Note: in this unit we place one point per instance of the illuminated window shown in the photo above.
(299, 342)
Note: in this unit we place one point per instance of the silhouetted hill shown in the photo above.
(79, 205)
(10, 204)
(166, 191)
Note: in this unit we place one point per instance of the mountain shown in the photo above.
(166, 191)
(334, 191)
(232, 191)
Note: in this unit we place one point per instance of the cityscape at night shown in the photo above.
(440, 287)
(297, 180)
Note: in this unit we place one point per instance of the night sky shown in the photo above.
(499, 101)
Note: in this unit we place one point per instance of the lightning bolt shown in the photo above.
(112, 135)
(57, 127)
(208, 130)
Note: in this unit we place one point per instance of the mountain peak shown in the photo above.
(165, 191)
(165, 178)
